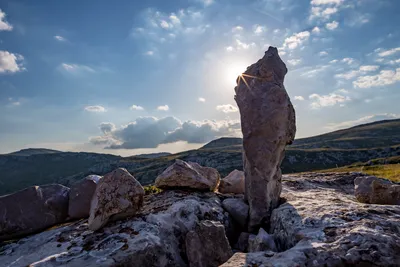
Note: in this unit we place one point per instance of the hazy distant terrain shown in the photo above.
(357, 144)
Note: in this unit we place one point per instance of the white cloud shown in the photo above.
(326, 2)
(174, 19)
(316, 30)
(228, 108)
(348, 60)
(237, 29)
(4, 25)
(135, 107)
(363, 120)
(332, 99)
(60, 38)
(385, 77)
(394, 62)
(319, 12)
(164, 24)
(348, 75)
(243, 45)
(201, 99)
(389, 52)
(258, 29)
(205, 2)
(296, 39)
(299, 98)
(10, 63)
(294, 62)
(163, 108)
(369, 68)
(343, 91)
(323, 53)
(160, 27)
(76, 68)
(229, 48)
(95, 109)
(150, 132)
(354, 73)
(149, 53)
(332, 25)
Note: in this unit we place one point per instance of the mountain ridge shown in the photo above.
(339, 148)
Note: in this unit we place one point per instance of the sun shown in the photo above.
(233, 71)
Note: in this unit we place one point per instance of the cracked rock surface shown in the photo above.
(322, 224)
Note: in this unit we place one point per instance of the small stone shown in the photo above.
(237, 209)
(262, 242)
(269, 254)
(233, 183)
(207, 245)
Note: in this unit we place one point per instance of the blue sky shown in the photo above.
(149, 76)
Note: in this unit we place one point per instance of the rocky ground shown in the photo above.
(320, 223)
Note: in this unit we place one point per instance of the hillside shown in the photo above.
(340, 148)
(33, 151)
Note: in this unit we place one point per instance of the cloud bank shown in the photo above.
(150, 132)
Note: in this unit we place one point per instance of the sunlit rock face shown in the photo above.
(268, 125)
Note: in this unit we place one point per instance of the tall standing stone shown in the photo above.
(268, 125)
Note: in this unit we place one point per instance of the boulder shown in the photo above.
(207, 245)
(243, 242)
(80, 196)
(118, 195)
(155, 237)
(375, 190)
(188, 175)
(237, 209)
(32, 209)
(262, 242)
(268, 125)
(233, 183)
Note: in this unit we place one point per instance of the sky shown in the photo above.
(150, 76)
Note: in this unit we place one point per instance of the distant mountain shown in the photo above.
(340, 148)
(152, 155)
(33, 151)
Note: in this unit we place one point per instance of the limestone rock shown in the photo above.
(155, 237)
(268, 125)
(207, 245)
(80, 196)
(243, 242)
(32, 209)
(374, 190)
(262, 242)
(322, 224)
(189, 175)
(117, 195)
(233, 183)
(237, 209)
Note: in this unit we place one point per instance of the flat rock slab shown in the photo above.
(32, 209)
(152, 238)
(322, 224)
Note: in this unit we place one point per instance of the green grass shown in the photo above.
(388, 171)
